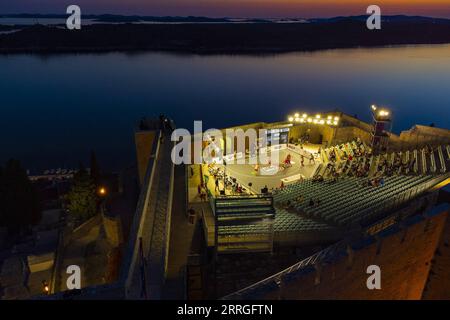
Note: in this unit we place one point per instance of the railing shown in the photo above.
(169, 218)
(433, 163)
(243, 196)
(412, 145)
(408, 158)
(130, 260)
(276, 278)
(416, 164)
(424, 161)
(442, 160)
(159, 215)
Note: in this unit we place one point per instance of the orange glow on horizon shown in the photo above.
(238, 8)
(319, 8)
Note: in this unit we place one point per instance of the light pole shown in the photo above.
(45, 287)
(382, 126)
(102, 192)
(331, 120)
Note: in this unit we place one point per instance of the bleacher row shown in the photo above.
(244, 229)
(284, 222)
(243, 217)
(351, 201)
(287, 222)
(429, 160)
(344, 148)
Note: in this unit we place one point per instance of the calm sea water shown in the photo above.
(55, 109)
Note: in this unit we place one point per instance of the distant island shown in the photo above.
(222, 35)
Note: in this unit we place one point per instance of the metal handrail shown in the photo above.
(277, 277)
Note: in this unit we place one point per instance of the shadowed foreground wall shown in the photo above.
(403, 254)
(438, 285)
(144, 146)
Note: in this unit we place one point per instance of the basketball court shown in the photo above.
(272, 175)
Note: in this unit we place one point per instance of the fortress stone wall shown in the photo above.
(404, 255)
(439, 278)
(144, 143)
(113, 230)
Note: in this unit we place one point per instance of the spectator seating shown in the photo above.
(351, 201)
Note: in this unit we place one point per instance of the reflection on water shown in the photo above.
(55, 109)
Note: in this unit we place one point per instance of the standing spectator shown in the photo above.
(217, 185)
(191, 215)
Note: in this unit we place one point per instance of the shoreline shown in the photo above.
(256, 52)
(248, 39)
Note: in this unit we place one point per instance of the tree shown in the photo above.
(19, 202)
(82, 197)
(95, 169)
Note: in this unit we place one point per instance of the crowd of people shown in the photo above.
(397, 166)
(202, 192)
(229, 183)
(356, 160)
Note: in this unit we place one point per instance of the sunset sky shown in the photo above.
(233, 8)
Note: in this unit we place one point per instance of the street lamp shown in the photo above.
(102, 191)
(45, 287)
(382, 126)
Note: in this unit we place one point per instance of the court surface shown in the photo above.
(245, 173)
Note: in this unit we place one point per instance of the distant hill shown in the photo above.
(115, 18)
(394, 18)
(267, 37)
